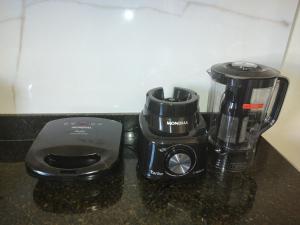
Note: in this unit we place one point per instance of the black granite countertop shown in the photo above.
(268, 194)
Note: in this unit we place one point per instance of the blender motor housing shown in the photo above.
(174, 136)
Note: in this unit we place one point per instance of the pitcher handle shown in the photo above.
(272, 118)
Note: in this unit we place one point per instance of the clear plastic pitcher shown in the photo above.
(245, 100)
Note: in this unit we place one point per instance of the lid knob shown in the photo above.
(245, 66)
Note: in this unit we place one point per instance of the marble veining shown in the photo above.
(9, 19)
(22, 17)
(179, 11)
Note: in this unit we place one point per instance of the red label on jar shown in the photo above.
(253, 106)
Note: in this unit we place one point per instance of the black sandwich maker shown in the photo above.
(80, 148)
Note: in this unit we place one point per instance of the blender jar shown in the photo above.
(242, 104)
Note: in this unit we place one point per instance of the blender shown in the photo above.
(244, 101)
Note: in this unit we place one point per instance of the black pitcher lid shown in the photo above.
(241, 70)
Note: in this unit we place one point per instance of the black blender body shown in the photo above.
(242, 105)
(174, 136)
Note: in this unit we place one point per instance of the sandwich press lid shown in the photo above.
(75, 148)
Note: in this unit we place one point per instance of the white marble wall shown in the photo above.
(61, 56)
(10, 21)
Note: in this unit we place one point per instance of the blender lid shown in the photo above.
(241, 70)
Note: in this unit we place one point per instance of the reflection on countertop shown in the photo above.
(79, 197)
(269, 193)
